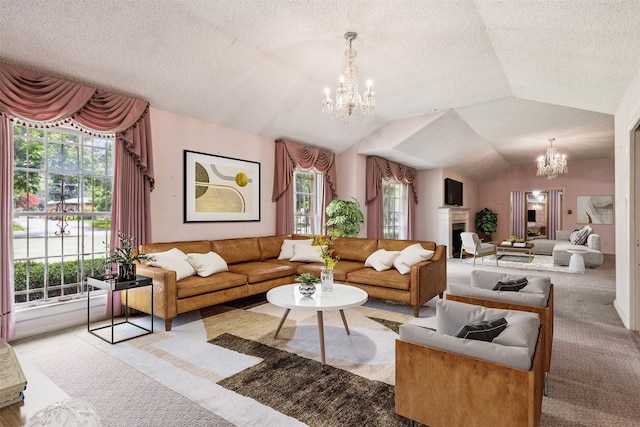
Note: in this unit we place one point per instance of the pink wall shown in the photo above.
(593, 177)
(172, 134)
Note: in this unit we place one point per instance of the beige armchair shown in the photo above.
(472, 244)
(443, 380)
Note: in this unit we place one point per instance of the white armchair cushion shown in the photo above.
(381, 259)
(286, 250)
(593, 241)
(485, 248)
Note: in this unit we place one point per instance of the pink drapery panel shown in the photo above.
(519, 214)
(288, 156)
(7, 328)
(377, 170)
(554, 206)
(40, 100)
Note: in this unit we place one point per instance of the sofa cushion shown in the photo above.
(485, 330)
(410, 256)
(340, 270)
(270, 246)
(306, 253)
(286, 249)
(579, 236)
(398, 245)
(196, 285)
(513, 285)
(259, 271)
(381, 259)
(173, 259)
(386, 279)
(207, 264)
(235, 251)
(353, 248)
(196, 246)
(592, 258)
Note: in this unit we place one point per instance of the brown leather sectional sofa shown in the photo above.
(254, 268)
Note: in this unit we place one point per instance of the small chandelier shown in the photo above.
(552, 164)
(348, 101)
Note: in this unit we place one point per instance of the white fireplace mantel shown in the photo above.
(447, 216)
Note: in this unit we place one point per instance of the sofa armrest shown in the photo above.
(429, 278)
(164, 292)
(593, 241)
(563, 235)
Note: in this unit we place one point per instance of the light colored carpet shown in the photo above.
(170, 379)
(539, 262)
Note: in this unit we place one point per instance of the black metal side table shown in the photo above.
(113, 284)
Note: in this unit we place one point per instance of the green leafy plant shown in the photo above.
(308, 278)
(125, 254)
(487, 221)
(345, 217)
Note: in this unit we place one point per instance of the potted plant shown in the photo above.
(345, 217)
(126, 256)
(487, 221)
(307, 283)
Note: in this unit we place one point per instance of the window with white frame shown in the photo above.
(308, 202)
(394, 209)
(62, 189)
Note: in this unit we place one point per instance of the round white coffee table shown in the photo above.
(339, 298)
(576, 262)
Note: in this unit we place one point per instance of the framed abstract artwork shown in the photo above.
(218, 188)
(594, 210)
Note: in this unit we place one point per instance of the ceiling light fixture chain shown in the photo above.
(348, 101)
(552, 163)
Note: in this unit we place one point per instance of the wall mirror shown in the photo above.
(536, 214)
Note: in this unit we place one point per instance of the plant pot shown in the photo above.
(126, 271)
(307, 289)
(326, 279)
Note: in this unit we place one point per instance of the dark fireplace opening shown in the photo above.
(456, 243)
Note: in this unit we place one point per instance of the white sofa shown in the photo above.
(558, 248)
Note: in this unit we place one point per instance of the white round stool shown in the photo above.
(576, 262)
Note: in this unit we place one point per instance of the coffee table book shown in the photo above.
(12, 379)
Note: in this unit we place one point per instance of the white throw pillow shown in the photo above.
(307, 253)
(173, 259)
(381, 259)
(286, 250)
(410, 256)
(207, 264)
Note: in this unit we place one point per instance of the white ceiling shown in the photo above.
(474, 86)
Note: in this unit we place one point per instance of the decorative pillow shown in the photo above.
(482, 331)
(207, 264)
(579, 236)
(410, 256)
(307, 253)
(381, 259)
(286, 250)
(173, 259)
(511, 285)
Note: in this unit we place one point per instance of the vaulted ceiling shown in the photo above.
(470, 85)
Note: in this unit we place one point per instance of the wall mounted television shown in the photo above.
(531, 215)
(452, 192)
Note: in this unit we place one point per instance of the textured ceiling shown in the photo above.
(474, 86)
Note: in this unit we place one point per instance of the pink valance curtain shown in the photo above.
(377, 170)
(288, 156)
(38, 100)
